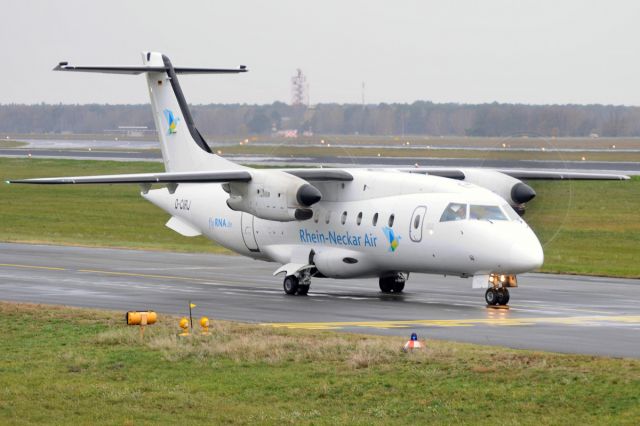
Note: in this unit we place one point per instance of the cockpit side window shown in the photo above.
(486, 213)
(454, 211)
(511, 213)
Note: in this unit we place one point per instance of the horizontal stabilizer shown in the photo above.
(181, 177)
(64, 66)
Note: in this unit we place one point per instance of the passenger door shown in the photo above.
(415, 226)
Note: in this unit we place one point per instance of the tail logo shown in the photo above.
(172, 121)
(394, 240)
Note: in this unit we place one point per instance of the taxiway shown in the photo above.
(572, 314)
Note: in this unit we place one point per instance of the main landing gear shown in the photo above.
(497, 296)
(392, 283)
(297, 285)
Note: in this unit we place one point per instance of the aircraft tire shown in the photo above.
(398, 286)
(386, 284)
(303, 290)
(290, 285)
(503, 296)
(491, 296)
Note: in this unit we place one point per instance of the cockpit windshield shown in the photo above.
(486, 213)
(454, 211)
(458, 211)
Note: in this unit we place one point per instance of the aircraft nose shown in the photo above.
(526, 254)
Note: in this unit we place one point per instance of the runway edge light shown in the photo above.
(413, 343)
(184, 325)
(204, 323)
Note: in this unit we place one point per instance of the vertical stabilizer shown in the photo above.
(183, 148)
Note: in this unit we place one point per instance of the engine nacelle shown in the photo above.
(273, 195)
(511, 189)
(342, 263)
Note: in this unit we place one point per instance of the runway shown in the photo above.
(571, 314)
(622, 167)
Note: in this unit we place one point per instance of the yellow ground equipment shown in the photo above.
(141, 318)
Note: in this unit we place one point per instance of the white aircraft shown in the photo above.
(334, 223)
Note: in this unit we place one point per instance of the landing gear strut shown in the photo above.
(297, 284)
(497, 296)
(392, 283)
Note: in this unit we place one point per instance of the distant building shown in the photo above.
(132, 131)
(287, 133)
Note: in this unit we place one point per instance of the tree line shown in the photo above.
(418, 118)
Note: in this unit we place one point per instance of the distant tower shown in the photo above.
(299, 89)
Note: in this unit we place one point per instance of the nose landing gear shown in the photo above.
(497, 296)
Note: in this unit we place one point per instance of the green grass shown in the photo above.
(586, 227)
(355, 151)
(76, 366)
(95, 215)
(11, 144)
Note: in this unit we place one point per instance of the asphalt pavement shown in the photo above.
(572, 314)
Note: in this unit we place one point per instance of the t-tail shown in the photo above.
(183, 147)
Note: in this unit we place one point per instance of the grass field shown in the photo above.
(11, 144)
(585, 227)
(96, 215)
(355, 151)
(76, 366)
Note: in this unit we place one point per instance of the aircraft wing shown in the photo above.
(320, 175)
(311, 175)
(458, 173)
(181, 177)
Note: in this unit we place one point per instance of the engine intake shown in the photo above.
(513, 190)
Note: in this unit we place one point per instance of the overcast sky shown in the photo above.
(473, 51)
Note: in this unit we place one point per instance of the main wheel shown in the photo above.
(386, 284)
(503, 296)
(398, 286)
(491, 296)
(290, 284)
(303, 290)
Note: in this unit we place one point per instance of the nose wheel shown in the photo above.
(497, 296)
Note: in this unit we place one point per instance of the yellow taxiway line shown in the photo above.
(14, 265)
(499, 321)
(118, 273)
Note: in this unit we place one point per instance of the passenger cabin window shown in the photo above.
(416, 222)
(344, 218)
(316, 216)
(454, 211)
(359, 219)
(375, 219)
(327, 217)
(486, 213)
(391, 219)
